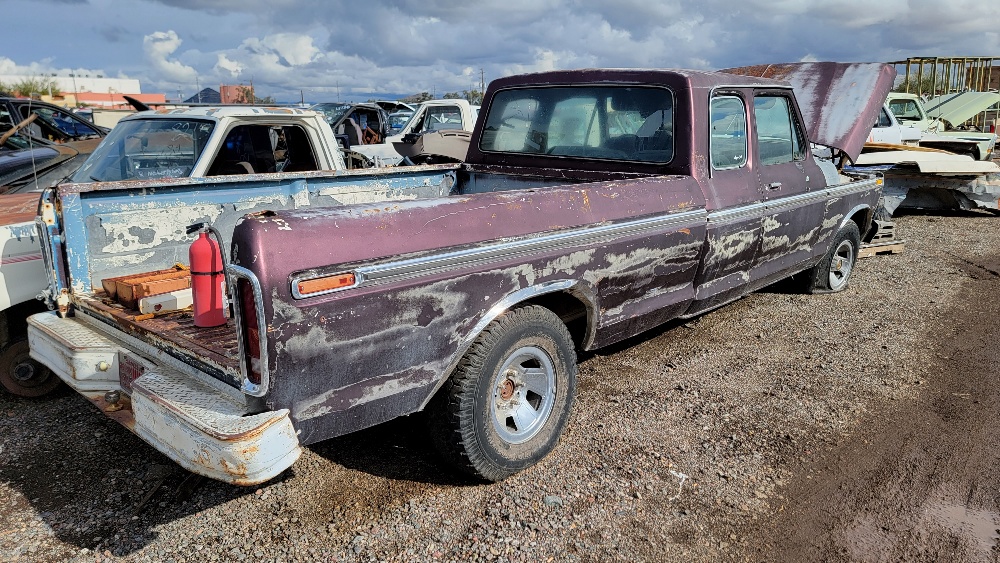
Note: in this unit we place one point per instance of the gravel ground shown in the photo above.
(736, 436)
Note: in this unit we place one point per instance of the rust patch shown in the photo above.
(123, 415)
(238, 470)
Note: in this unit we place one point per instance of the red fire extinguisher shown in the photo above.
(208, 277)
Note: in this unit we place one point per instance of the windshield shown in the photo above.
(334, 112)
(607, 122)
(906, 110)
(398, 120)
(146, 149)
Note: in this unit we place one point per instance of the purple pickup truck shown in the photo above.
(593, 205)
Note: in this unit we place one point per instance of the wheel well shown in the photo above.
(13, 320)
(863, 218)
(570, 309)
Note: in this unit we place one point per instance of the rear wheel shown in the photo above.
(22, 375)
(505, 405)
(833, 272)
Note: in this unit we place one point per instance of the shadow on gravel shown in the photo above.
(97, 486)
(398, 449)
(93, 483)
(944, 213)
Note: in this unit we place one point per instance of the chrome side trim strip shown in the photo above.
(821, 195)
(753, 210)
(526, 247)
(583, 236)
(852, 187)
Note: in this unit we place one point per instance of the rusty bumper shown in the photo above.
(196, 422)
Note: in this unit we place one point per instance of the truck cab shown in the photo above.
(212, 141)
(935, 130)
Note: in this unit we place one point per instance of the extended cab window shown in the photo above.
(779, 139)
(729, 132)
(605, 122)
(146, 149)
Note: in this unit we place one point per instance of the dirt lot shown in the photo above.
(847, 427)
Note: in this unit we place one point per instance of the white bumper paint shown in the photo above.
(198, 424)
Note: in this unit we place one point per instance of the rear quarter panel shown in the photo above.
(438, 269)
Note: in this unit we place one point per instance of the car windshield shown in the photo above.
(146, 149)
(604, 122)
(399, 120)
(334, 112)
(906, 110)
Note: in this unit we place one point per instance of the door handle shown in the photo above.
(772, 186)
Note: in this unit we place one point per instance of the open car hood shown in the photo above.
(957, 108)
(840, 102)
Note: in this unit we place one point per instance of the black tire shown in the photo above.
(23, 376)
(504, 407)
(833, 272)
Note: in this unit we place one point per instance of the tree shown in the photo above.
(246, 95)
(417, 98)
(475, 97)
(32, 87)
(924, 86)
(452, 96)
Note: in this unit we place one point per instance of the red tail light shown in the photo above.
(251, 332)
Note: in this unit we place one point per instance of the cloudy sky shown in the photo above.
(375, 48)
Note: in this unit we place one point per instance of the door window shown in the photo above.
(729, 132)
(779, 138)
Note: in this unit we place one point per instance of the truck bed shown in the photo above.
(174, 333)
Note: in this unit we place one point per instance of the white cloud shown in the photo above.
(158, 47)
(296, 49)
(225, 64)
(386, 47)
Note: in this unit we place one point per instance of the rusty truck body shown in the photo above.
(593, 205)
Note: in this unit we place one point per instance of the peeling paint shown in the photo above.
(116, 229)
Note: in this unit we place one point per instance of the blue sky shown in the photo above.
(382, 48)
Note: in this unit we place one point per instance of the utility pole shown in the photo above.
(482, 81)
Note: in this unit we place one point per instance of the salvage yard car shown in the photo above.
(194, 142)
(53, 123)
(593, 205)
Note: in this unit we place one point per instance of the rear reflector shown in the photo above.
(326, 283)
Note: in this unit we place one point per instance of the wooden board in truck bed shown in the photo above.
(175, 330)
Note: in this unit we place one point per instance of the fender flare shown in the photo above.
(854, 211)
(573, 287)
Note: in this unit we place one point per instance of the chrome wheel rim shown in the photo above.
(841, 265)
(523, 393)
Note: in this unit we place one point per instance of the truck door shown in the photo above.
(793, 212)
(735, 208)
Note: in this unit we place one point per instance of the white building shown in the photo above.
(80, 83)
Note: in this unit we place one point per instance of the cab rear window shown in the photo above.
(604, 122)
